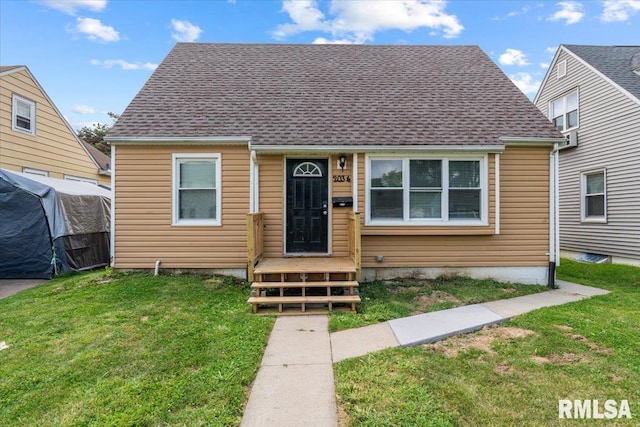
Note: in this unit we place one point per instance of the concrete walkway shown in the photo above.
(295, 384)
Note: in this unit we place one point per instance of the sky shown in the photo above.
(93, 56)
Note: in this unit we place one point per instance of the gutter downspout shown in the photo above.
(554, 220)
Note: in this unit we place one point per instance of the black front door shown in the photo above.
(307, 205)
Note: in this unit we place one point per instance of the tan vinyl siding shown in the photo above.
(272, 203)
(608, 138)
(143, 206)
(53, 149)
(524, 224)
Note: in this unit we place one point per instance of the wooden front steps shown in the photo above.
(304, 285)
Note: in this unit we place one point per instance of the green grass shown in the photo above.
(382, 301)
(513, 374)
(129, 350)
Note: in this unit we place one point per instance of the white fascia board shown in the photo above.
(13, 70)
(525, 141)
(192, 140)
(493, 148)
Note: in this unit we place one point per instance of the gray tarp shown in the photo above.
(76, 216)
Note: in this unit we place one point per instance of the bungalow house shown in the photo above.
(35, 137)
(317, 160)
(592, 95)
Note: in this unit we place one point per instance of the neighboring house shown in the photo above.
(592, 95)
(407, 160)
(34, 136)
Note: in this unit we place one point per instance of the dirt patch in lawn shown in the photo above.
(593, 346)
(559, 359)
(436, 296)
(481, 340)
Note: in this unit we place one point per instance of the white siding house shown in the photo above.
(592, 95)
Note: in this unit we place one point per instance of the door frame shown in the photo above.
(285, 252)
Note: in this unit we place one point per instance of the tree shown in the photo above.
(95, 134)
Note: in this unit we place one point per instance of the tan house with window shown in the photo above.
(311, 161)
(34, 136)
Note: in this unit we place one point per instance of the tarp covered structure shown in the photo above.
(50, 226)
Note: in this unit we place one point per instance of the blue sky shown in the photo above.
(93, 56)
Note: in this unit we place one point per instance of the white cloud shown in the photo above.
(109, 63)
(570, 11)
(96, 30)
(513, 57)
(544, 65)
(71, 6)
(322, 40)
(84, 109)
(185, 31)
(524, 82)
(619, 10)
(356, 21)
(522, 11)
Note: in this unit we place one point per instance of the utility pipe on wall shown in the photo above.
(155, 271)
(554, 221)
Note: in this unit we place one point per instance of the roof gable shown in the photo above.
(619, 65)
(319, 95)
(6, 70)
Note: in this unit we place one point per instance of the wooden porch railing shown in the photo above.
(255, 241)
(355, 242)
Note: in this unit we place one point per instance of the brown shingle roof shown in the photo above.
(332, 95)
(101, 159)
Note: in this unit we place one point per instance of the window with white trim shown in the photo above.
(563, 112)
(80, 179)
(23, 117)
(35, 171)
(426, 191)
(594, 196)
(196, 189)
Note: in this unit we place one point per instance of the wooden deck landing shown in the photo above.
(305, 265)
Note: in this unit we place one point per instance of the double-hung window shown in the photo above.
(196, 189)
(594, 196)
(564, 112)
(23, 118)
(426, 191)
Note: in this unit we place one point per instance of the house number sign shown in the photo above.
(341, 178)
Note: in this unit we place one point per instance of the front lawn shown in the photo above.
(129, 349)
(393, 299)
(512, 374)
